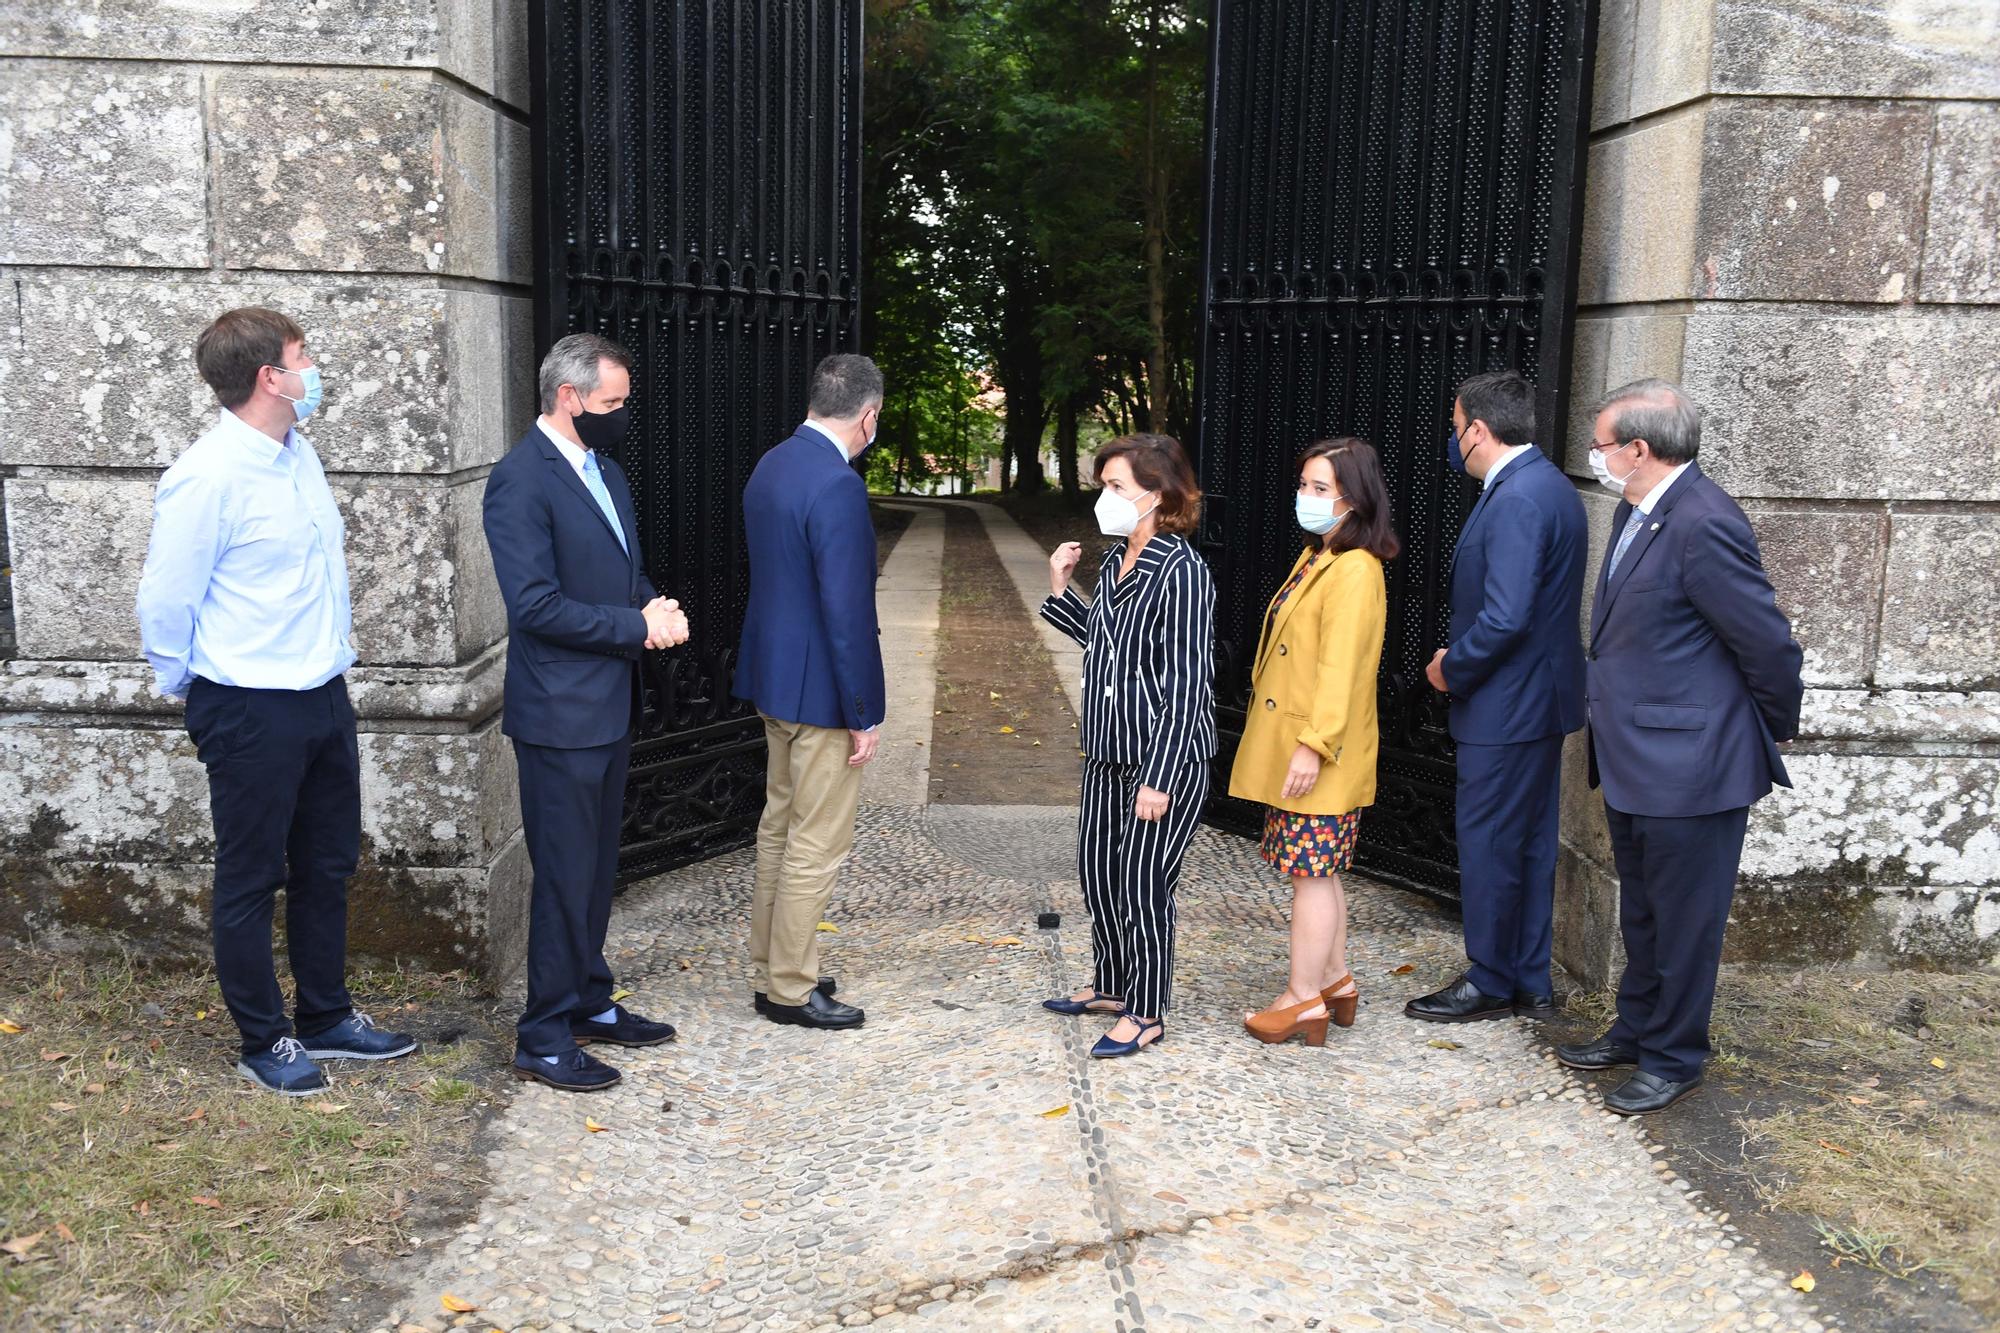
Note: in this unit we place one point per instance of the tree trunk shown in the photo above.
(1066, 461)
(1158, 369)
(1020, 373)
(1142, 400)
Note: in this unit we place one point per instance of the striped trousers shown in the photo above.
(1130, 868)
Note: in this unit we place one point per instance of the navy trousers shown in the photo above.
(284, 792)
(1508, 818)
(1676, 878)
(572, 804)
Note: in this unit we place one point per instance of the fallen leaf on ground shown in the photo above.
(1006, 731)
(827, 927)
(95, 1088)
(328, 1108)
(167, 1147)
(62, 1229)
(620, 994)
(1804, 1281)
(56, 1055)
(453, 1305)
(1034, 742)
(20, 1245)
(1053, 1112)
(10, 1028)
(198, 1113)
(1403, 971)
(1935, 1062)
(200, 1014)
(62, 1106)
(1444, 1044)
(993, 694)
(1835, 1147)
(1005, 940)
(973, 939)
(1169, 1196)
(593, 1126)
(206, 1200)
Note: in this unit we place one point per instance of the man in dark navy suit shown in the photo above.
(1693, 679)
(580, 610)
(1514, 670)
(811, 661)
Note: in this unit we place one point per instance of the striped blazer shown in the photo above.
(1148, 659)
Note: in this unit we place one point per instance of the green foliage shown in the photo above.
(1021, 155)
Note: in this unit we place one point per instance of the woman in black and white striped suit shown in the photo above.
(1148, 727)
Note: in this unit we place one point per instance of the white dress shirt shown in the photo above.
(1645, 506)
(572, 451)
(827, 435)
(1512, 452)
(246, 574)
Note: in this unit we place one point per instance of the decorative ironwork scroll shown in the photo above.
(1394, 199)
(696, 198)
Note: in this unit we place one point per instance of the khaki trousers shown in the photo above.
(810, 798)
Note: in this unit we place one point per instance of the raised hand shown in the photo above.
(1062, 565)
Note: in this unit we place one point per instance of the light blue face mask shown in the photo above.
(1316, 514)
(309, 404)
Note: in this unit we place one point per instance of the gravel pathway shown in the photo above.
(960, 1163)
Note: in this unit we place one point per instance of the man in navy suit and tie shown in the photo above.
(811, 661)
(580, 611)
(1514, 670)
(1693, 679)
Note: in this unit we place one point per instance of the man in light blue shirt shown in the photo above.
(244, 614)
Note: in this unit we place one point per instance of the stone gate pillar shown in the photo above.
(1794, 210)
(362, 167)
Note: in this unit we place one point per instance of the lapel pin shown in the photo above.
(1656, 527)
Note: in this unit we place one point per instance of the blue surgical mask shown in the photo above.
(305, 406)
(1316, 513)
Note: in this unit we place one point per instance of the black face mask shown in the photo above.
(602, 430)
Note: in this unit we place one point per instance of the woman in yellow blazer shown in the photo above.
(1309, 741)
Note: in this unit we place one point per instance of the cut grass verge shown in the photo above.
(1871, 1106)
(149, 1185)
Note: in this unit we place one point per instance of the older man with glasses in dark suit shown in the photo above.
(1693, 678)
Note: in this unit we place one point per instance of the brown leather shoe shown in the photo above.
(1276, 1025)
(1341, 1007)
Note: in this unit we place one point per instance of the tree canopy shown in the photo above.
(1032, 200)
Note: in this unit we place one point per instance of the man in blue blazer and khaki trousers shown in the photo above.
(811, 660)
(1693, 679)
(1514, 670)
(580, 611)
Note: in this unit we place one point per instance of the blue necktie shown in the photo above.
(1632, 526)
(595, 481)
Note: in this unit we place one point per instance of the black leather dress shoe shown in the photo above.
(627, 1029)
(1535, 1006)
(1603, 1053)
(816, 1012)
(1644, 1093)
(576, 1071)
(826, 986)
(1460, 1002)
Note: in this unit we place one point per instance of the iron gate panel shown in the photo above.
(1394, 198)
(696, 188)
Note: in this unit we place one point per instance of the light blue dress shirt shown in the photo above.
(246, 576)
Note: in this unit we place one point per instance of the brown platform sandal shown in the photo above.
(1277, 1025)
(1341, 1007)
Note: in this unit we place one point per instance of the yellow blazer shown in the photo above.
(1314, 684)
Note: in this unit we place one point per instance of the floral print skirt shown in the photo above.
(1314, 845)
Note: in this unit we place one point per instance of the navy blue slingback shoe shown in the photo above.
(1062, 1004)
(1107, 1049)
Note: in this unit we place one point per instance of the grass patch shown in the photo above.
(1874, 1111)
(160, 1189)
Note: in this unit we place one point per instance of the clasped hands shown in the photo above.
(666, 623)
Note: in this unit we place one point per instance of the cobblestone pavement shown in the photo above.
(960, 1163)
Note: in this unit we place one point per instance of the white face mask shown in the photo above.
(1601, 469)
(1118, 516)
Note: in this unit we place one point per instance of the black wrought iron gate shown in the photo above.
(696, 199)
(1395, 189)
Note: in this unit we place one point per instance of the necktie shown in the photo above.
(595, 481)
(1632, 526)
